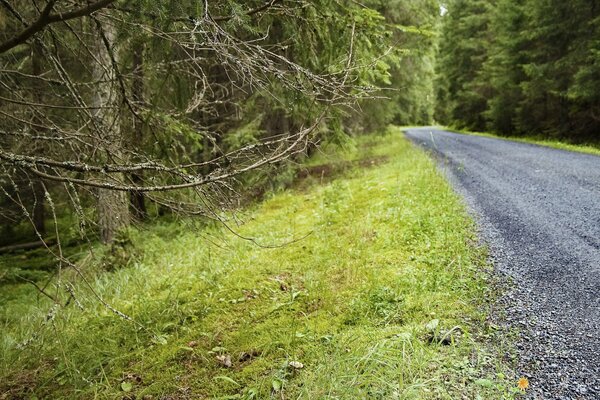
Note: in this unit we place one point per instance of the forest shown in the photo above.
(521, 68)
(176, 178)
(130, 112)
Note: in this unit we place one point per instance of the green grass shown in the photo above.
(553, 143)
(384, 299)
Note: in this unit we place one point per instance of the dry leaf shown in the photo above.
(296, 365)
(225, 360)
(523, 383)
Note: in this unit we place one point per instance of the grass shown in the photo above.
(541, 141)
(384, 299)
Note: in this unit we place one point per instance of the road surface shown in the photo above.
(539, 212)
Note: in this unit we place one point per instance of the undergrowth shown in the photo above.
(365, 283)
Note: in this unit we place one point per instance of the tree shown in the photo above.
(521, 67)
(112, 208)
(159, 102)
(406, 74)
(584, 92)
(462, 93)
(503, 68)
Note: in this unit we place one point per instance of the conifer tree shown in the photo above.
(462, 94)
(503, 68)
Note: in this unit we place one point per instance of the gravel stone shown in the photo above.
(538, 210)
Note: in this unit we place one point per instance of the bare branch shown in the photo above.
(46, 18)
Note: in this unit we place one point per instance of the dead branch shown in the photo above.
(46, 18)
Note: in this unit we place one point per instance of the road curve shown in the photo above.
(539, 212)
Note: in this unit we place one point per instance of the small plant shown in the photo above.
(380, 305)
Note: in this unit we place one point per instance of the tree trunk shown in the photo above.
(113, 213)
(137, 199)
(112, 206)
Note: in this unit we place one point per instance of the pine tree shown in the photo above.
(521, 67)
(552, 28)
(503, 69)
(585, 89)
(462, 91)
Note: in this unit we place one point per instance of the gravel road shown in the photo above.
(539, 211)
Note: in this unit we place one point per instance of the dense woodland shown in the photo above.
(526, 67)
(116, 111)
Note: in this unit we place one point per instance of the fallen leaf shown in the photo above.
(225, 360)
(296, 365)
(523, 384)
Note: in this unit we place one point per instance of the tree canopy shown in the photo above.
(116, 111)
(526, 67)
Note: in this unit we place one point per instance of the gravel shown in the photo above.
(538, 210)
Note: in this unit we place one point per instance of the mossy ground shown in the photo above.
(381, 294)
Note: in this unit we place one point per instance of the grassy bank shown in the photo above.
(554, 143)
(380, 295)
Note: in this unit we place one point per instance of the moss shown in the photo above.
(372, 256)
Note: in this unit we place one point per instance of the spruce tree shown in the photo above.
(503, 68)
(462, 90)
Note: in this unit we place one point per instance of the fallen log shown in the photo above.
(23, 246)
